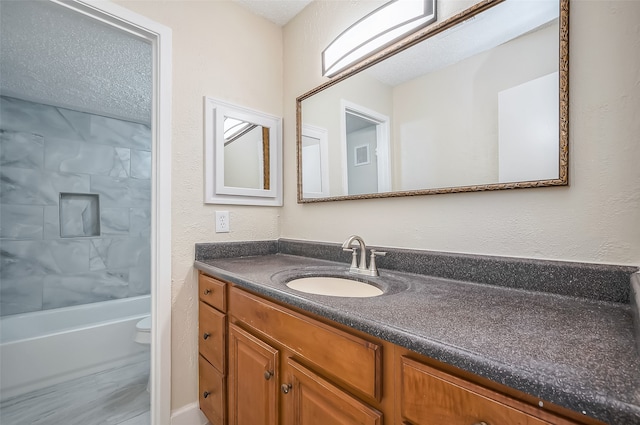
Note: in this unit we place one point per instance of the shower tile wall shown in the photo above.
(48, 154)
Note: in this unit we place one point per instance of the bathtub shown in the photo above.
(48, 347)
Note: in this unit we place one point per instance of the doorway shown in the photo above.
(88, 235)
(365, 139)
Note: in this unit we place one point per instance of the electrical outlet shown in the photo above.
(222, 222)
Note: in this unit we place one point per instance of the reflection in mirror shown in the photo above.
(246, 148)
(242, 155)
(477, 102)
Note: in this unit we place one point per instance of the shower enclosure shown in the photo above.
(75, 196)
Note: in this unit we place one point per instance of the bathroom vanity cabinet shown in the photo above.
(212, 329)
(284, 366)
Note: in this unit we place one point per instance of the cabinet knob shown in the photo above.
(207, 291)
(285, 388)
(206, 335)
(268, 374)
(205, 394)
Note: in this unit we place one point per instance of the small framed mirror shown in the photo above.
(243, 149)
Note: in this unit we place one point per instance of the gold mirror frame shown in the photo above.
(420, 36)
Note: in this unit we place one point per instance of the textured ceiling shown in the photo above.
(277, 11)
(53, 55)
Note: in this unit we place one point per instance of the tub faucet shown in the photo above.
(362, 267)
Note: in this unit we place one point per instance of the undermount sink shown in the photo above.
(334, 287)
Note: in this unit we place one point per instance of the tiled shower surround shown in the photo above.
(75, 199)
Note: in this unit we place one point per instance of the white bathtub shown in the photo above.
(51, 346)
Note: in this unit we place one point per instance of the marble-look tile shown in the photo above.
(122, 167)
(115, 221)
(29, 117)
(140, 222)
(78, 156)
(85, 288)
(21, 150)
(79, 121)
(117, 253)
(140, 280)
(52, 222)
(120, 192)
(79, 215)
(20, 295)
(117, 396)
(21, 222)
(118, 133)
(22, 259)
(140, 164)
(35, 187)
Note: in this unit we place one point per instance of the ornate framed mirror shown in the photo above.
(476, 102)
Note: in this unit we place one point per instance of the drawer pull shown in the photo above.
(268, 374)
(205, 394)
(207, 291)
(481, 423)
(206, 335)
(285, 388)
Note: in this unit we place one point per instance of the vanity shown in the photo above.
(432, 349)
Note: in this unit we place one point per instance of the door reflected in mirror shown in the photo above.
(476, 102)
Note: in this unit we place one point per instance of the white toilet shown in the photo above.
(143, 331)
(143, 336)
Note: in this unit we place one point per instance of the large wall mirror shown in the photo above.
(243, 148)
(476, 102)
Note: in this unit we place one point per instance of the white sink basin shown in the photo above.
(334, 287)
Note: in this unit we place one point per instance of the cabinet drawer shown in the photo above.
(349, 360)
(212, 335)
(212, 393)
(212, 292)
(431, 397)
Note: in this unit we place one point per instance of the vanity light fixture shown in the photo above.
(377, 30)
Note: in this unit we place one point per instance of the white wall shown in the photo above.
(595, 219)
(223, 51)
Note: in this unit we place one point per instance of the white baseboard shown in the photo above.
(188, 415)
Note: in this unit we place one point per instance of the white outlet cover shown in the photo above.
(222, 222)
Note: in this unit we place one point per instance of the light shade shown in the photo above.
(377, 30)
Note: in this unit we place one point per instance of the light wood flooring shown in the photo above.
(113, 397)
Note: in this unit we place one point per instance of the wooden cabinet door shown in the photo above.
(429, 396)
(312, 400)
(253, 380)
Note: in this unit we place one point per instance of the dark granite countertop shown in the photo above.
(575, 352)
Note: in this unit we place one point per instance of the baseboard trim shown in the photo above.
(188, 415)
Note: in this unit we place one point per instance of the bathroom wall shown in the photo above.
(220, 50)
(595, 219)
(75, 197)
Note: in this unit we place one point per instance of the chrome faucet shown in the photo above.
(362, 267)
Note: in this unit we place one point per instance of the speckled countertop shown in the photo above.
(575, 352)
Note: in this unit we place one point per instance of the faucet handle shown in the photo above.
(373, 268)
(354, 259)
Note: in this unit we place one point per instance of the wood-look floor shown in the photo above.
(113, 397)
